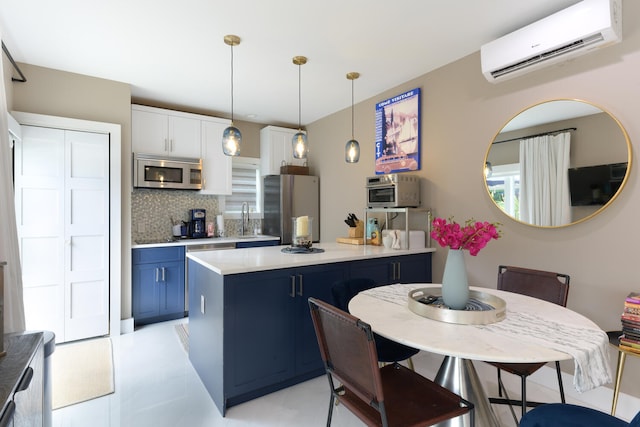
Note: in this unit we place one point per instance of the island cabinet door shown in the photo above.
(399, 269)
(259, 330)
(413, 268)
(312, 282)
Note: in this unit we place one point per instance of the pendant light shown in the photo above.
(299, 141)
(231, 137)
(352, 149)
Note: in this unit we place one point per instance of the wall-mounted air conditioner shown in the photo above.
(566, 34)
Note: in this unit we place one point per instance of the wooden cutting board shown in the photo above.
(352, 240)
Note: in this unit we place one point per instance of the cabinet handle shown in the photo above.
(157, 274)
(292, 294)
(163, 277)
(398, 271)
(171, 145)
(300, 288)
(166, 144)
(25, 381)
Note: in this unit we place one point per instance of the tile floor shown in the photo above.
(156, 386)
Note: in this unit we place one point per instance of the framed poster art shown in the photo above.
(398, 133)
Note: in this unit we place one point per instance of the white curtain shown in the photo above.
(9, 250)
(544, 180)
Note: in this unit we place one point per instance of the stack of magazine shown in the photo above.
(630, 339)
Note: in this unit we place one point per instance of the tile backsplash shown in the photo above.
(152, 212)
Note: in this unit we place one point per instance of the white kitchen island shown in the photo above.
(250, 332)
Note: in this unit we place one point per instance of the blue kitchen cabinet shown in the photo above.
(414, 268)
(262, 320)
(269, 310)
(157, 284)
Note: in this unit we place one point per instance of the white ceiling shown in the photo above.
(172, 52)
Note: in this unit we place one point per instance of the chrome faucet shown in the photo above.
(244, 216)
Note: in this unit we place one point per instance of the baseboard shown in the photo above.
(600, 398)
(126, 326)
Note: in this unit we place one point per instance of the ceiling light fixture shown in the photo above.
(299, 141)
(352, 149)
(231, 137)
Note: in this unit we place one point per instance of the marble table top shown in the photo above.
(532, 331)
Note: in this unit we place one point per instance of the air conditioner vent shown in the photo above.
(580, 44)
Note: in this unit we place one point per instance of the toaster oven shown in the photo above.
(393, 191)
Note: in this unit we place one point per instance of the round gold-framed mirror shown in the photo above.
(557, 163)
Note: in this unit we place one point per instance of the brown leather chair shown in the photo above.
(545, 285)
(389, 396)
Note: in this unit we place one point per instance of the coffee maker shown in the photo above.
(197, 223)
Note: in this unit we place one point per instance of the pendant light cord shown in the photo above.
(232, 84)
(299, 97)
(352, 120)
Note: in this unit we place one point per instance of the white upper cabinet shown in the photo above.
(216, 166)
(275, 148)
(165, 132)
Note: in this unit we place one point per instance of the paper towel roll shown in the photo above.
(220, 225)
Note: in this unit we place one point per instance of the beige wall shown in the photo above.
(62, 94)
(461, 114)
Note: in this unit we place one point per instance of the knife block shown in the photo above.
(358, 230)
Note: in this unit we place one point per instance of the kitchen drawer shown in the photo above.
(152, 255)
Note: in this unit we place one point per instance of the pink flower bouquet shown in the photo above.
(473, 236)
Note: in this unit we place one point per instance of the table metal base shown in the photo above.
(460, 376)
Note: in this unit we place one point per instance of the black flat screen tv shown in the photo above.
(595, 185)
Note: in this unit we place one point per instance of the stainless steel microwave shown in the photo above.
(153, 171)
(393, 191)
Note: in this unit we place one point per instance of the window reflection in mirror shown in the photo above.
(590, 161)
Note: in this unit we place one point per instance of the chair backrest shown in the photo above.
(348, 351)
(343, 290)
(545, 285)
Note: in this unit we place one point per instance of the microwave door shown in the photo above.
(382, 195)
(161, 176)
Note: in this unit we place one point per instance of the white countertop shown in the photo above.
(272, 258)
(204, 241)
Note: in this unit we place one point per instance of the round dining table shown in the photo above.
(533, 330)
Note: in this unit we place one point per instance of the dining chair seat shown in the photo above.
(567, 415)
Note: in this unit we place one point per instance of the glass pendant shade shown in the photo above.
(299, 144)
(231, 141)
(299, 141)
(352, 151)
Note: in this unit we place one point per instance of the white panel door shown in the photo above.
(39, 193)
(62, 204)
(86, 235)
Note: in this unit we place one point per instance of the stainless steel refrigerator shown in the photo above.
(287, 197)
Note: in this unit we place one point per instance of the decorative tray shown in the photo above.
(482, 308)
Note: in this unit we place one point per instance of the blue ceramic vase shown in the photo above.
(455, 287)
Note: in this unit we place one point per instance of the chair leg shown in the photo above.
(330, 414)
(524, 395)
(560, 386)
(499, 383)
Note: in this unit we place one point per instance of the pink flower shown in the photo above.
(473, 236)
